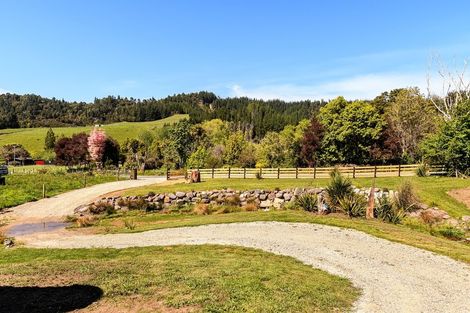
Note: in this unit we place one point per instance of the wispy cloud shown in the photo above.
(355, 87)
(121, 86)
(2, 91)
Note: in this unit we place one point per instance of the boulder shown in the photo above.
(287, 196)
(180, 194)
(266, 204)
(278, 203)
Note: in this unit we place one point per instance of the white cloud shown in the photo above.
(2, 91)
(356, 87)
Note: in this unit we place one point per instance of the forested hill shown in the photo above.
(22, 111)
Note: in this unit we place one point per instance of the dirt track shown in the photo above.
(64, 204)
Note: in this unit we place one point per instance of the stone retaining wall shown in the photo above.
(264, 199)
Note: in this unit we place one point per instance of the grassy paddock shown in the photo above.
(22, 188)
(419, 238)
(33, 138)
(191, 278)
(431, 190)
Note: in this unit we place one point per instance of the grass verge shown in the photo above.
(22, 188)
(180, 279)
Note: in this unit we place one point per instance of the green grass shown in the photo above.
(202, 278)
(22, 188)
(33, 138)
(418, 237)
(431, 190)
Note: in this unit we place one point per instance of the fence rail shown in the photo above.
(317, 172)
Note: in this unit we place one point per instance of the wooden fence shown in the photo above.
(318, 172)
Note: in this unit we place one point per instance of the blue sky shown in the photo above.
(78, 50)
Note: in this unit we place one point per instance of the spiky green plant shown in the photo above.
(338, 188)
(308, 202)
(354, 205)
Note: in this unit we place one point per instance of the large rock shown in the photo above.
(278, 203)
(266, 204)
(180, 194)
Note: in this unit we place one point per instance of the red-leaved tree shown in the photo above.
(311, 142)
(96, 144)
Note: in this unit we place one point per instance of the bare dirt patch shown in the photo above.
(461, 195)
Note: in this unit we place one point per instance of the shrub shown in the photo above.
(232, 200)
(449, 232)
(129, 224)
(308, 202)
(338, 188)
(422, 170)
(405, 198)
(86, 221)
(251, 206)
(429, 218)
(354, 205)
(387, 212)
(202, 209)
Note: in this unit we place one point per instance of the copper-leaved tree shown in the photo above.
(96, 145)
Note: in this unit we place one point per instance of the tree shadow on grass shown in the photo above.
(47, 299)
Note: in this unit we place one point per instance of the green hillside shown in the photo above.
(33, 138)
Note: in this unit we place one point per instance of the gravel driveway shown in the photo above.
(64, 204)
(393, 277)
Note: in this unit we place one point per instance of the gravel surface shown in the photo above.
(392, 276)
(64, 204)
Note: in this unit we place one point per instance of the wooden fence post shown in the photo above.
(213, 172)
(296, 172)
(229, 172)
(354, 172)
(278, 172)
(399, 170)
(375, 171)
(244, 173)
(43, 191)
(314, 172)
(260, 172)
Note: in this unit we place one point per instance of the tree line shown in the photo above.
(256, 116)
(399, 126)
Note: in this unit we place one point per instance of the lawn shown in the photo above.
(167, 279)
(22, 188)
(431, 190)
(33, 138)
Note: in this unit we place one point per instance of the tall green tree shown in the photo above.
(411, 118)
(49, 141)
(350, 130)
(451, 145)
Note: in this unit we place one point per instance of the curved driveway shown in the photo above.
(65, 203)
(394, 277)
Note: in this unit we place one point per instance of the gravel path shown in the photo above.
(393, 277)
(64, 204)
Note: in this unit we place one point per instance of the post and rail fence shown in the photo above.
(317, 172)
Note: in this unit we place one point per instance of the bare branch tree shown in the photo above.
(455, 87)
